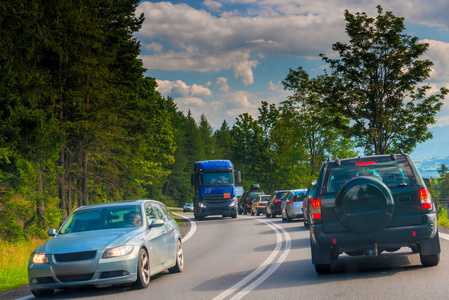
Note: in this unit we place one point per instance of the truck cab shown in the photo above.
(215, 192)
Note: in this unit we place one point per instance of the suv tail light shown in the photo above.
(316, 210)
(276, 201)
(426, 202)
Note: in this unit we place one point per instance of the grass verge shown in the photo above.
(14, 261)
(442, 217)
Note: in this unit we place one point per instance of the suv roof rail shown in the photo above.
(393, 156)
(338, 162)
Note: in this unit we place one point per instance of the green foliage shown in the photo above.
(375, 83)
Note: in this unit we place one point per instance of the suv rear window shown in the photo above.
(394, 173)
(253, 194)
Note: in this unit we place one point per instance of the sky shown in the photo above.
(222, 58)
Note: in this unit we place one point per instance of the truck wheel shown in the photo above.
(234, 215)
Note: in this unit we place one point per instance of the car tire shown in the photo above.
(143, 270)
(179, 266)
(42, 293)
(364, 205)
(267, 215)
(429, 260)
(234, 216)
(323, 269)
(288, 219)
(273, 215)
(252, 213)
(258, 213)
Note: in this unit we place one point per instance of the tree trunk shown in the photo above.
(40, 198)
(63, 185)
(85, 173)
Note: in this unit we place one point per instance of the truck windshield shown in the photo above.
(217, 178)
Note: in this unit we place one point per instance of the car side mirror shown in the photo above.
(52, 232)
(427, 182)
(157, 223)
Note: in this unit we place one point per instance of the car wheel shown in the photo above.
(234, 216)
(267, 215)
(42, 293)
(364, 205)
(283, 218)
(179, 266)
(273, 215)
(252, 213)
(306, 224)
(143, 270)
(429, 260)
(323, 269)
(288, 219)
(240, 211)
(258, 213)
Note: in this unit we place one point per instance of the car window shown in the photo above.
(150, 213)
(167, 213)
(391, 172)
(103, 218)
(159, 212)
(253, 194)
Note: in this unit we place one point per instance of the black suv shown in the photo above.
(367, 205)
(245, 201)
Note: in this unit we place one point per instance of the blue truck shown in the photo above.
(215, 193)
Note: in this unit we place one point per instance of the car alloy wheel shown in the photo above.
(143, 270)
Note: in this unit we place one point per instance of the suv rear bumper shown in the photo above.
(385, 238)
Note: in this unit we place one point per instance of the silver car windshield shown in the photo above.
(103, 218)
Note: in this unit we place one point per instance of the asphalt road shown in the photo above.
(261, 258)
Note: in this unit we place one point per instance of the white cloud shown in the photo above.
(213, 5)
(179, 88)
(222, 84)
(438, 53)
(156, 47)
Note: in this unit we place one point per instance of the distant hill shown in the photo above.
(429, 156)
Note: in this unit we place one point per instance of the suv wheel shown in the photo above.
(372, 209)
(323, 269)
(429, 260)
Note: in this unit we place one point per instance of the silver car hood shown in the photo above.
(89, 240)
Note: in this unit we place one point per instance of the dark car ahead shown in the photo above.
(367, 205)
(307, 203)
(259, 205)
(248, 197)
(275, 203)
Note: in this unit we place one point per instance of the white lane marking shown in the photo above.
(262, 267)
(443, 235)
(192, 228)
(271, 269)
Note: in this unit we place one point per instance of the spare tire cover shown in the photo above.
(364, 205)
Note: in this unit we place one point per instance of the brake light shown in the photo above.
(260, 204)
(246, 198)
(426, 202)
(366, 163)
(291, 202)
(316, 209)
(276, 201)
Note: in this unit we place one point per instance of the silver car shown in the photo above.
(108, 244)
(292, 205)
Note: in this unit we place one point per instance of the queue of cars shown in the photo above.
(358, 206)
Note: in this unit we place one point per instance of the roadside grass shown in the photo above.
(14, 262)
(442, 217)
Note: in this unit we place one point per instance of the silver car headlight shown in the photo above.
(39, 258)
(117, 251)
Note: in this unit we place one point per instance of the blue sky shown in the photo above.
(222, 58)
